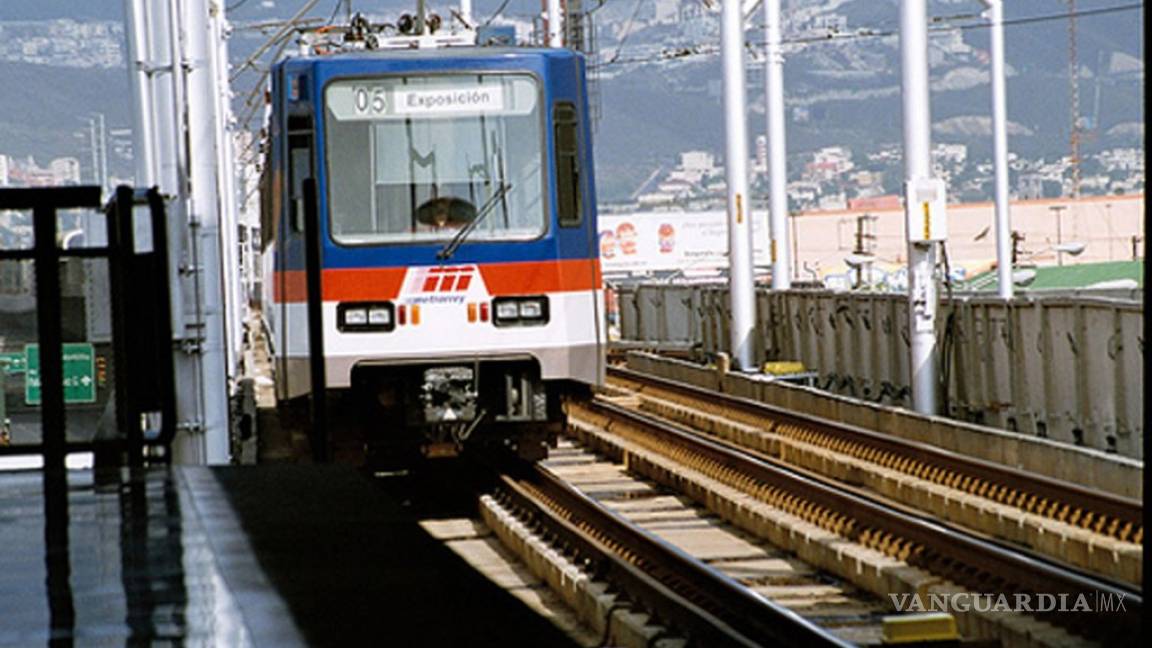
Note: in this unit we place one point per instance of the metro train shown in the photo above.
(458, 260)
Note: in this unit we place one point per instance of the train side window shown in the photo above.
(299, 169)
(268, 215)
(566, 136)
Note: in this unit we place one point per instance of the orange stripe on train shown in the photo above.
(375, 284)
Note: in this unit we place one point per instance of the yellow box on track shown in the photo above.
(783, 367)
(915, 628)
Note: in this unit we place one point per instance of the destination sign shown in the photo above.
(451, 100)
(386, 99)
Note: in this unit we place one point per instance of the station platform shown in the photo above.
(248, 555)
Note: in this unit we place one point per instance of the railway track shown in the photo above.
(617, 535)
(882, 549)
(1090, 530)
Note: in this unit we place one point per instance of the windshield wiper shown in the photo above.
(450, 248)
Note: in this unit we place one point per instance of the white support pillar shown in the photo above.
(922, 295)
(740, 285)
(777, 150)
(555, 24)
(1000, 151)
(466, 11)
(204, 221)
(226, 187)
(138, 31)
(157, 145)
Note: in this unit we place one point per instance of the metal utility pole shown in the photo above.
(555, 24)
(924, 202)
(740, 284)
(97, 179)
(466, 12)
(1074, 98)
(777, 159)
(1058, 210)
(575, 23)
(1000, 151)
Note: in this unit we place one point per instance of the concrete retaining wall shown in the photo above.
(1067, 367)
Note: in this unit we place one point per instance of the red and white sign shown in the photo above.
(666, 241)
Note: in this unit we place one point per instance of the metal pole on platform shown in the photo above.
(922, 296)
(1000, 151)
(205, 221)
(740, 285)
(466, 12)
(777, 151)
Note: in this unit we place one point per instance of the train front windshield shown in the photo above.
(416, 158)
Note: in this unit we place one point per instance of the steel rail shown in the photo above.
(985, 567)
(1058, 493)
(678, 589)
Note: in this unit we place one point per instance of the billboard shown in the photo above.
(646, 242)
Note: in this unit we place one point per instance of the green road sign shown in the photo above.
(12, 363)
(79, 374)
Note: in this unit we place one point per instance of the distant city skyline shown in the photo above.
(654, 89)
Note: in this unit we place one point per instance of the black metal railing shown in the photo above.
(142, 366)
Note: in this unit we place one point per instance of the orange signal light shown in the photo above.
(415, 314)
(471, 311)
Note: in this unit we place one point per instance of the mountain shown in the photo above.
(54, 9)
(845, 89)
(656, 77)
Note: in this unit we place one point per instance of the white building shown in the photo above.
(65, 171)
(950, 154)
(701, 162)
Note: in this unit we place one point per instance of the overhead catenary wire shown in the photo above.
(347, 14)
(627, 31)
(496, 13)
(687, 51)
(281, 33)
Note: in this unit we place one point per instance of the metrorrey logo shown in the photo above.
(444, 279)
(977, 602)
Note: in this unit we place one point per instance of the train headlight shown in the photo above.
(356, 317)
(520, 311)
(507, 310)
(380, 316)
(365, 317)
(531, 309)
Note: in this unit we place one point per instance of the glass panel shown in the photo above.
(87, 352)
(416, 158)
(81, 228)
(16, 230)
(142, 228)
(299, 170)
(19, 421)
(567, 165)
(86, 307)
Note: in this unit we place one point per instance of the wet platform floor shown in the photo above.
(271, 555)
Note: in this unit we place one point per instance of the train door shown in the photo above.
(297, 161)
